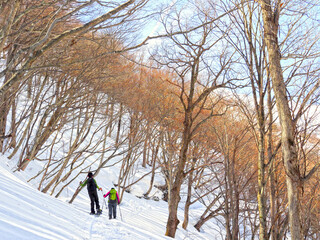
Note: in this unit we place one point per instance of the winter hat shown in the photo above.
(90, 174)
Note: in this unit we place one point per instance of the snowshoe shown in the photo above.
(99, 212)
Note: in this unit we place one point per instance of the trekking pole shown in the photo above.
(105, 203)
(120, 212)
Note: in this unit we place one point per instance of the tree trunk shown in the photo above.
(173, 220)
(235, 200)
(204, 219)
(271, 21)
(119, 124)
(30, 118)
(78, 190)
(3, 118)
(146, 147)
(110, 113)
(6, 99)
(262, 201)
(42, 137)
(13, 141)
(9, 21)
(174, 199)
(274, 231)
(188, 201)
(154, 160)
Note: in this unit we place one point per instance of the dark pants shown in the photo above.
(94, 199)
(112, 209)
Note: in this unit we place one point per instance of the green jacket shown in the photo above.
(85, 183)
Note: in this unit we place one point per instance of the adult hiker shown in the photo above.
(112, 202)
(92, 187)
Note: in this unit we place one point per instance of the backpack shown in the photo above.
(113, 195)
(91, 185)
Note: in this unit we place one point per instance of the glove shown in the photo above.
(80, 182)
(100, 189)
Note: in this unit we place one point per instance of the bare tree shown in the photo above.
(43, 36)
(272, 12)
(247, 39)
(197, 78)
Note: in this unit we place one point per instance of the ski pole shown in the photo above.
(105, 203)
(120, 212)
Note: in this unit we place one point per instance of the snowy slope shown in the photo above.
(26, 213)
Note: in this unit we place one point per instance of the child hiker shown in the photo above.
(112, 202)
(92, 191)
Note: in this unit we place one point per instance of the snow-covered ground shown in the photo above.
(26, 213)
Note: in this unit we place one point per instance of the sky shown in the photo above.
(26, 213)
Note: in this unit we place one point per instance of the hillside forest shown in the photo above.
(219, 98)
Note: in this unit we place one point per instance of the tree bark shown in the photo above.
(6, 101)
(154, 160)
(289, 150)
(189, 194)
(273, 202)
(119, 123)
(42, 137)
(174, 199)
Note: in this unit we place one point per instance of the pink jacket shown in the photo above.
(106, 195)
